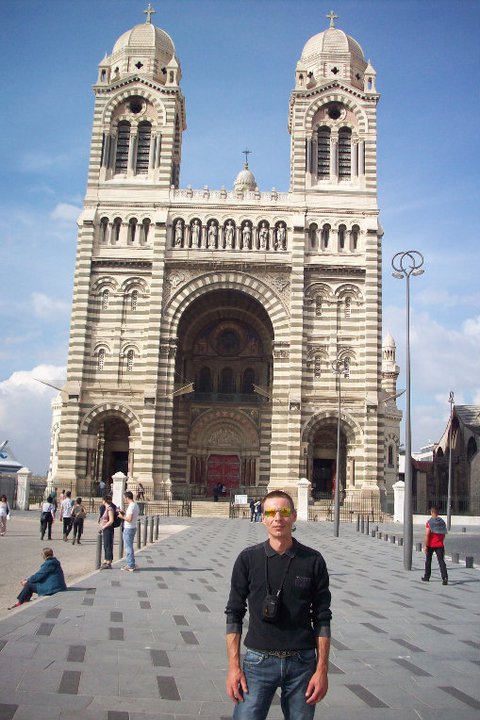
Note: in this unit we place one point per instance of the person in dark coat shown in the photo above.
(48, 579)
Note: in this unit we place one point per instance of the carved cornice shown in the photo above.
(121, 263)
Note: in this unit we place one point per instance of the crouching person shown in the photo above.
(48, 579)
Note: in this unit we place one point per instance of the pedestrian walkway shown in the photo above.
(150, 644)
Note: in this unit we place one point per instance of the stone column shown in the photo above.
(303, 486)
(24, 477)
(118, 488)
(398, 500)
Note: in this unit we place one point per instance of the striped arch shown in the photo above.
(110, 409)
(247, 284)
(351, 290)
(350, 426)
(240, 425)
(106, 281)
(143, 92)
(340, 97)
(135, 283)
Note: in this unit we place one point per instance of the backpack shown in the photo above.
(117, 520)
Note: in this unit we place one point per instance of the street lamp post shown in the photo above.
(404, 265)
(338, 367)
(451, 400)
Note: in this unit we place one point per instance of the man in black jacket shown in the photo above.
(288, 639)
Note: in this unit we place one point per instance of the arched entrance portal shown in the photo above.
(322, 458)
(221, 431)
(108, 449)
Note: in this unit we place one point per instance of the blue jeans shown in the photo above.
(128, 537)
(265, 673)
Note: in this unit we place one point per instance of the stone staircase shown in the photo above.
(209, 508)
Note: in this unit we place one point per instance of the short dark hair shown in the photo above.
(107, 498)
(79, 501)
(278, 494)
(47, 552)
(68, 493)
(434, 508)
(128, 494)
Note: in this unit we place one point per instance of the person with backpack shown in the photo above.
(78, 514)
(108, 514)
(433, 542)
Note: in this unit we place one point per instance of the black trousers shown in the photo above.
(78, 528)
(67, 525)
(26, 592)
(440, 553)
(46, 523)
(108, 543)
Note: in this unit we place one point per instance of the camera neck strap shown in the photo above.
(283, 577)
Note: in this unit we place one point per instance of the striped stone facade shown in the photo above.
(205, 322)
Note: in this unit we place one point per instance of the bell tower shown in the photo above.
(333, 117)
(139, 111)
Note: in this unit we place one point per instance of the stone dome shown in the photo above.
(245, 180)
(388, 341)
(145, 37)
(332, 41)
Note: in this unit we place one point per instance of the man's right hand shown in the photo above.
(236, 685)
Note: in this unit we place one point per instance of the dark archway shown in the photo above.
(225, 341)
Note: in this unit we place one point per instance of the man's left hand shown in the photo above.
(317, 687)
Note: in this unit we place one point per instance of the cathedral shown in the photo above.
(223, 336)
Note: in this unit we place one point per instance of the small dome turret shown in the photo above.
(332, 54)
(142, 50)
(245, 180)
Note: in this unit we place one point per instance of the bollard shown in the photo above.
(379, 535)
(455, 557)
(362, 524)
(120, 544)
(418, 547)
(373, 533)
(98, 555)
(145, 530)
(367, 528)
(358, 523)
(392, 539)
(386, 537)
(157, 526)
(464, 529)
(469, 561)
(400, 541)
(139, 534)
(150, 535)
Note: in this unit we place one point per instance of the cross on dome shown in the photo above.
(149, 12)
(246, 152)
(332, 17)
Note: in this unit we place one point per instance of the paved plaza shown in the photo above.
(150, 645)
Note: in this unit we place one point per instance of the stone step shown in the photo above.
(207, 508)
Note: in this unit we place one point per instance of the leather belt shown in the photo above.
(278, 653)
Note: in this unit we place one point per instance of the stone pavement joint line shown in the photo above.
(150, 645)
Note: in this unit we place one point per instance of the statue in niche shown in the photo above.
(263, 236)
(229, 234)
(281, 238)
(212, 235)
(247, 236)
(178, 241)
(195, 234)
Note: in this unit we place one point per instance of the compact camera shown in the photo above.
(270, 608)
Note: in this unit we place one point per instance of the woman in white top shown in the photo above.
(47, 516)
(4, 513)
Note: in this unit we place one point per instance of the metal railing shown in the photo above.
(367, 506)
(460, 504)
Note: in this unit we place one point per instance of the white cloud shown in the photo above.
(45, 307)
(65, 213)
(25, 413)
(42, 161)
(442, 359)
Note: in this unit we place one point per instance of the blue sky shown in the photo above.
(238, 61)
